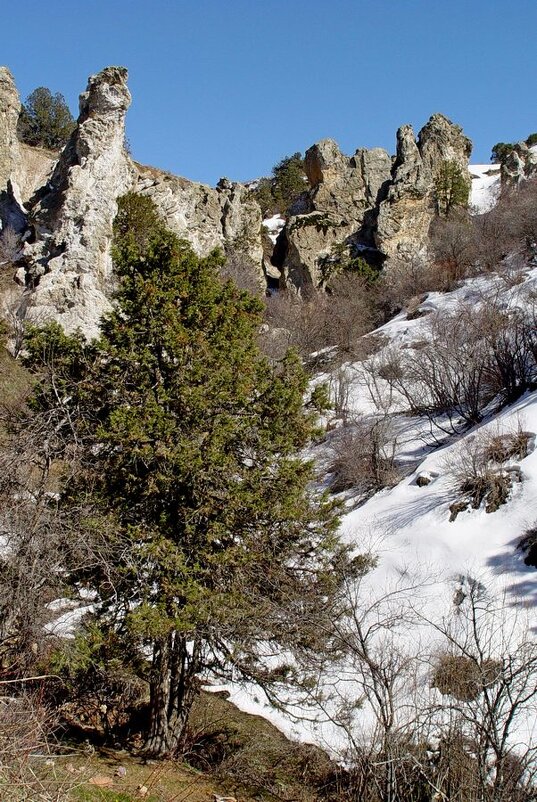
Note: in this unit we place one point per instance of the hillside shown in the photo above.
(174, 485)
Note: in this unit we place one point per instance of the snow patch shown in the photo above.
(274, 225)
(485, 186)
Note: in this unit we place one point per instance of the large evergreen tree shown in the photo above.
(223, 558)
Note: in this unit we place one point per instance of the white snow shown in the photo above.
(485, 186)
(274, 225)
(423, 558)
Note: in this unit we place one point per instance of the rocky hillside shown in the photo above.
(64, 204)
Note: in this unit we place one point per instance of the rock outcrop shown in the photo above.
(22, 168)
(9, 115)
(520, 163)
(65, 205)
(405, 215)
(341, 208)
(369, 200)
(69, 263)
(225, 217)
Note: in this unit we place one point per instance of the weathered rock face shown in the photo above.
(344, 193)
(9, 115)
(370, 199)
(404, 217)
(224, 217)
(520, 164)
(191, 210)
(66, 205)
(68, 272)
(70, 269)
(441, 140)
(11, 212)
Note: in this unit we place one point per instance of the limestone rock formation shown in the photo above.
(65, 204)
(225, 217)
(68, 271)
(370, 200)
(9, 115)
(342, 201)
(441, 140)
(520, 164)
(70, 268)
(405, 215)
(22, 168)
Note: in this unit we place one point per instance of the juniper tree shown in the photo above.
(45, 119)
(452, 188)
(224, 556)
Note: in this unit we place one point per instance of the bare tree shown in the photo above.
(487, 674)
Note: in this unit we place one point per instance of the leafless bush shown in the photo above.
(404, 279)
(364, 455)
(489, 647)
(469, 357)
(337, 319)
(242, 271)
(477, 469)
(339, 388)
(454, 247)
(28, 771)
(39, 544)
(458, 676)
(10, 246)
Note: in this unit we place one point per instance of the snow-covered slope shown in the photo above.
(485, 186)
(424, 559)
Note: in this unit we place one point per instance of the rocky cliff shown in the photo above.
(64, 205)
(369, 201)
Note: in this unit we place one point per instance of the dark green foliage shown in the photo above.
(288, 181)
(45, 120)
(452, 188)
(220, 550)
(500, 151)
(343, 259)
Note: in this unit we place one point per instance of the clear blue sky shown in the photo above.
(228, 87)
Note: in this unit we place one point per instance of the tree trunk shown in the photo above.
(173, 688)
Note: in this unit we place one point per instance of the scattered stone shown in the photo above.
(101, 781)
(423, 479)
(456, 508)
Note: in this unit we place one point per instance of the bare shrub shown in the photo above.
(454, 248)
(364, 455)
(339, 388)
(351, 311)
(39, 544)
(477, 471)
(459, 676)
(242, 271)
(337, 319)
(10, 246)
(488, 643)
(404, 279)
(471, 356)
(28, 770)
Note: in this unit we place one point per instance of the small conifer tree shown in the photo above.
(452, 188)
(45, 119)
(223, 554)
